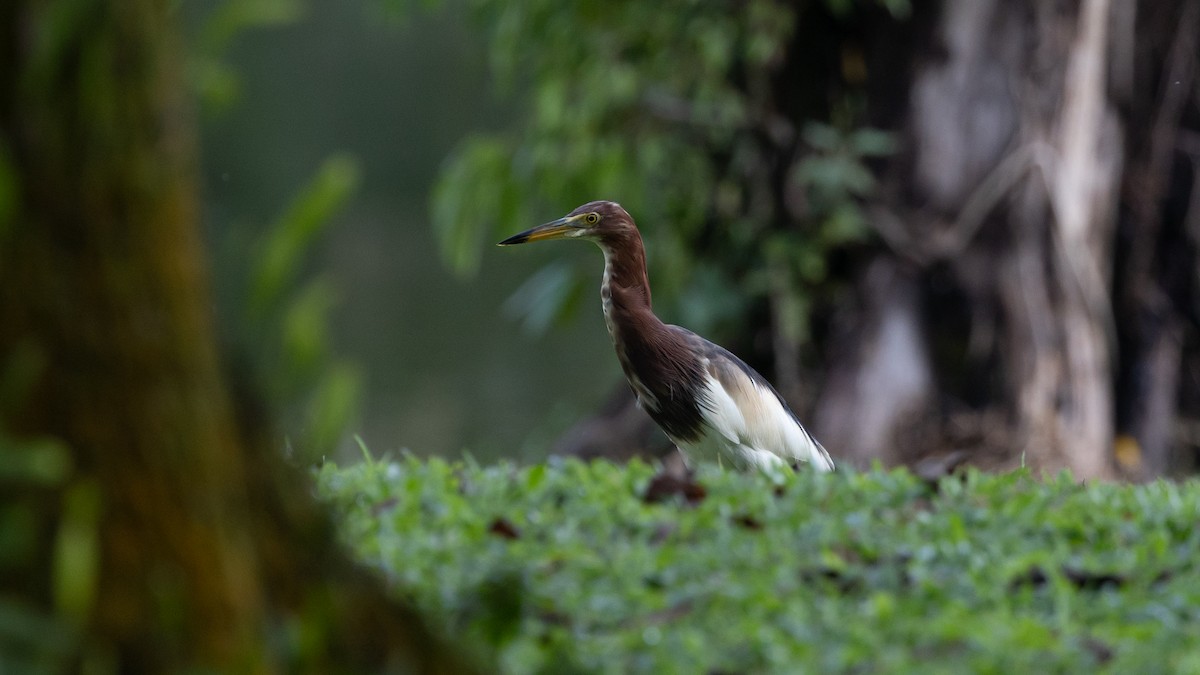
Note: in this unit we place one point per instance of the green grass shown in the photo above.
(564, 566)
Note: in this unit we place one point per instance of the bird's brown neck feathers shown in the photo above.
(655, 357)
(625, 291)
(625, 272)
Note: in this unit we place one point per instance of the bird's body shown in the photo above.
(707, 400)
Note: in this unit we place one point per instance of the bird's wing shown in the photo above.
(746, 410)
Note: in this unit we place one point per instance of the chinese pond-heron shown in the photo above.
(707, 400)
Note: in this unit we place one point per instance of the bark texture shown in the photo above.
(1015, 161)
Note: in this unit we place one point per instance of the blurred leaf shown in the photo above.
(839, 7)
(334, 404)
(77, 552)
(835, 171)
(834, 177)
(789, 305)
(233, 17)
(541, 299)
(901, 9)
(473, 195)
(290, 237)
(822, 136)
(869, 142)
(34, 642)
(215, 82)
(305, 339)
(37, 461)
(810, 265)
(844, 225)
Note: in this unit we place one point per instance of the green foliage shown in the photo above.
(291, 237)
(287, 317)
(282, 323)
(834, 178)
(483, 164)
(40, 461)
(33, 642)
(673, 110)
(77, 552)
(564, 565)
(332, 405)
(213, 78)
(544, 298)
(32, 469)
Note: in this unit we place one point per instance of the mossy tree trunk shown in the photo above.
(176, 540)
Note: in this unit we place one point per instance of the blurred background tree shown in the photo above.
(142, 528)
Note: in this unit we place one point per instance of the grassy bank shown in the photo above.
(588, 566)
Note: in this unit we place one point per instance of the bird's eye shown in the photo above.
(591, 218)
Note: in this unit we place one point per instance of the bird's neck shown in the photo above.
(654, 356)
(625, 290)
(625, 293)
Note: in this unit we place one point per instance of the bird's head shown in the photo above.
(596, 221)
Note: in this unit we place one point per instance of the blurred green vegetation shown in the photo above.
(670, 109)
(442, 367)
(562, 564)
(35, 470)
(33, 640)
(545, 105)
(280, 328)
(287, 320)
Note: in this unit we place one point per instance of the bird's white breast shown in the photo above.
(606, 294)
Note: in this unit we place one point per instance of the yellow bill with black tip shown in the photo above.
(555, 229)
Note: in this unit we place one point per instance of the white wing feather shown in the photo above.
(755, 425)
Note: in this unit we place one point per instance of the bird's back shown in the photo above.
(745, 416)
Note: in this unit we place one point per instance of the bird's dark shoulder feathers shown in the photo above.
(724, 366)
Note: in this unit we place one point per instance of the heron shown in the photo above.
(707, 401)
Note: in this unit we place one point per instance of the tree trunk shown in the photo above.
(1157, 271)
(176, 542)
(882, 386)
(1011, 181)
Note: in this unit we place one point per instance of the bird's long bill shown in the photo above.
(555, 229)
